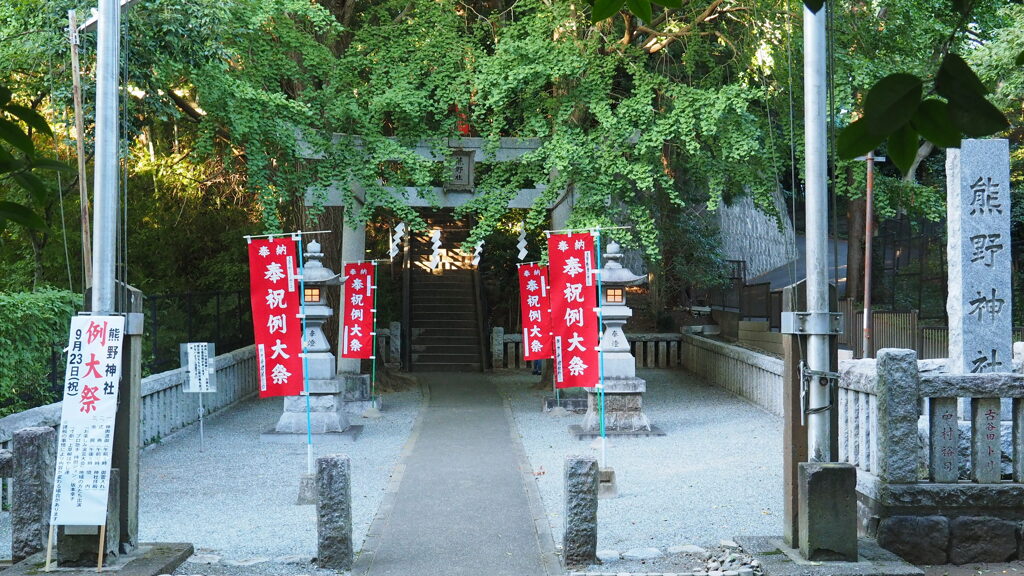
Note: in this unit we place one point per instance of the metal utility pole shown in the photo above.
(817, 235)
(105, 183)
(83, 187)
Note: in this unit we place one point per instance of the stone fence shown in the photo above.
(650, 350)
(754, 376)
(945, 486)
(165, 405)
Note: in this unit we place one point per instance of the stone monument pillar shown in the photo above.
(623, 391)
(323, 386)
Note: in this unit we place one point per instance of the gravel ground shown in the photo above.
(717, 472)
(235, 501)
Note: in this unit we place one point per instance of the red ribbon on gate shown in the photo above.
(535, 307)
(574, 321)
(358, 317)
(277, 327)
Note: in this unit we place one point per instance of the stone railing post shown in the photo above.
(498, 347)
(898, 389)
(35, 458)
(579, 543)
(334, 512)
(395, 342)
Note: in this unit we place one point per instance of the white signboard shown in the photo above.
(91, 383)
(201, 371)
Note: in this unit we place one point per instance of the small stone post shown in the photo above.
(497, 348)
(334, 512)
(828, 511)
(898, 389)
(579, 542)
(35, 458)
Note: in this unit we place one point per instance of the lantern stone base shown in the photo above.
(324, 416)
(623, 407)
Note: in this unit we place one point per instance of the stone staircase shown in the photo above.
(444, 316)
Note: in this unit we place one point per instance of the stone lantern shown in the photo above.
(623, 412)
(326, 413)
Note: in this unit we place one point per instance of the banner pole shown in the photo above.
(201, 437)
(600, 348)
(305, 359)
(373, 361)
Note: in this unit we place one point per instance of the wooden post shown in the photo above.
(128, 423)
(83, 187)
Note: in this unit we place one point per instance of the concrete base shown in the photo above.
(307, 490)
(827, 493)
(148, 559)
(778, 559)
(606, 486)
(580, 434)
(577, 404)
(350, 434)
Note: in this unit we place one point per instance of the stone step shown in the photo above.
(446, 367)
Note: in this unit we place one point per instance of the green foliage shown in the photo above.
(19, 163)
(31, 325)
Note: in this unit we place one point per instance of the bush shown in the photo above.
(31, 323)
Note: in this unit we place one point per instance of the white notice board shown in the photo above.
(91, 383)
(201, 371)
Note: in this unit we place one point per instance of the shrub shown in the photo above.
(31, 323)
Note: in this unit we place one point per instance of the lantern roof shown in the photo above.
(314, 271)
(613, 273)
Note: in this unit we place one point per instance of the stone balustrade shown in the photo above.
(933, 487)
(655, 350)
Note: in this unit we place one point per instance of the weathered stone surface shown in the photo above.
(916, 539)
(623, 406)
(35, 456)
(6, 463)
(334, 512)
(981, 539)
(827, 516)
(978, 256)
(898, 446)
(986, 445)
(319, 403)
(579, 541)
(608, 555)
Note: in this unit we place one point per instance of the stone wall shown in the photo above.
(901, 499)
(756, 377)
(751, 235)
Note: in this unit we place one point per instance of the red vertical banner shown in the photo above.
(535, 306)
(277, 327)
(358, 315)
(574, 321)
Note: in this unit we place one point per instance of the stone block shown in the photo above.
(334, 512)
(6, 463)
(898, 385)
(981, 539)
(916, 539)
(317, 403)
(579, 542)
(827, 515)
(35, 458)
(82, 549)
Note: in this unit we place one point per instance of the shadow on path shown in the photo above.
(460, 501)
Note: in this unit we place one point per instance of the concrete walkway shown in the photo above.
(462, 500)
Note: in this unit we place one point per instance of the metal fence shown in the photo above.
(224, 318)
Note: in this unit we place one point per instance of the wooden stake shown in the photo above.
(49, 548)
(103, 545)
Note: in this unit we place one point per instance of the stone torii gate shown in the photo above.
(466, 152)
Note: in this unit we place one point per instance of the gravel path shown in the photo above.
(716, 474)
(235, 501)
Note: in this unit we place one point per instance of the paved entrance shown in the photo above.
(462, 501)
